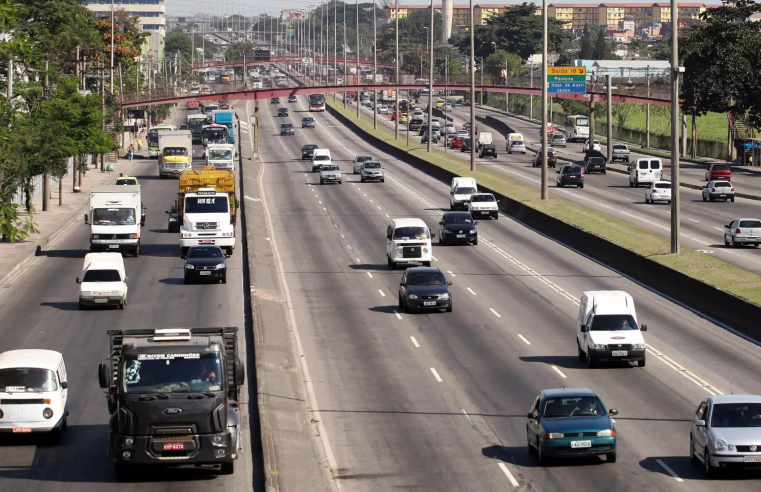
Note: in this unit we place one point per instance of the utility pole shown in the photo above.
(675, 70)
(545, 191)
(343, 48)
(46, 174)
(112, 47)
(531, 96)
(375, 76)
(335, 45)
(356, 100)
(609, 83)
(430, 85)
(396, 59)
(472, 63)
(647, 115)
(102, 112)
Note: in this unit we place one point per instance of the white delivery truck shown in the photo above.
(115, 218)
(484, 138)
(175, 152)
(221, 156)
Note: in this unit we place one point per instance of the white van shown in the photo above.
(608, 328)
(460, 192)
(645, 171)
(408, 241)
(320, 157)
(515, 143)
(34, 390)
(103, 282)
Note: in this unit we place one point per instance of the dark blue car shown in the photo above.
(571, 423)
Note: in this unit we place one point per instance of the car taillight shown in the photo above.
(738, 231)
(732, 189)
(713, 189)
(562, 175)
(582, 175)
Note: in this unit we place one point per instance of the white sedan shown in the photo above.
(595, 146)
(660, 191)
(382, 109)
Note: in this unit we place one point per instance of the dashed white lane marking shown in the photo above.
(368, 273)
(343, 237)
(669, 470)
(397, 314)
(252, 199)
(335, 225)
(363, 193)
(381, 293)
(320, 202)
(378, 207)
(495, 312)
(467, 417)
(508, 474)
(450, 273)
(719, 229)
(436, 375)
(371, 201)
(434, 258)
(349, 245)
(470, 290)
(387, 215)
(694, 220)
(358, 260)
(559, 371)
(325, 209)
(414, 342)
(524, 339)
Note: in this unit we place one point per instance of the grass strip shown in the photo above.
(698, 265)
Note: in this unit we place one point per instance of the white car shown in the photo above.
(742, 231)
(595, 146)
(660, 191)
(449, 127)
(448, 107)
(483, 205)
(463, 133)
(383, 109)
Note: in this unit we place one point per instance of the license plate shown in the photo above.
(581, 444)
(620, 353)
(173, 446)
(429, 303)
(21, 430)
(206, 241)
(746, 459)
(205, 273)
(113, 246)
(100, 301)
(459, 236)
(483, 212)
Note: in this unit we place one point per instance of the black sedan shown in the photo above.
(307, 151)
(293, 99)
(466, 145)
(205, 263)
(286, 129)
(424, 288)
(275, 100)
(307, 122)
(488, 150)
(282, 112)
(570, 174)
(457, 227)
(552, 158)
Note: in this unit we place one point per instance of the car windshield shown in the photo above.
(113, 216)
(461, 218)
(573, 406)
(102, 276)
(426, 278)
(127, 181)
(308, 120)
(465, 190)
(562, 137)
(750, 223)
(309, 147)
(220, 154)
(205, 252)
(613, 322)
(516, 143)
(27, 379)
(286, 125)
(206, 205)
(171, 373)
(482, 198)
(372, 165)
(411, 233)
(330, 167)
(736, 415)
(363, 158)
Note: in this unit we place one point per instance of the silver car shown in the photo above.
(719, 189)
(331, 173)
(726, 433)
(743, 231)
(372, 171)
(359, 160)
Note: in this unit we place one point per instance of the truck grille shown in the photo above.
(411, 252)
(29, 401)
(176, 165)
(201, 226)
(172, 438)
(619, 346)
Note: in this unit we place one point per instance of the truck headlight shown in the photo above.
(425, 250)
(189, 266)
(186, 234)
(47, 413)
(129, 441)
(719, 445)
(398, 251)
(597, 346)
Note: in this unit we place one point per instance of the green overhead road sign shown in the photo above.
(306, 60)
(566, 78)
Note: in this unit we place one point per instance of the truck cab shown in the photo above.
(221, 156)
(173, 396)
(115, 218)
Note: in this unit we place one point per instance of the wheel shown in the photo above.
(647, 200)
(224, 280)
(186, 280)
(733, 243)
(383, 180)
(123, 305)
(427, 264)
(475, 243)
(449, 309)
(726, 243)
(605, 172)
(390, 263)
(137, 251)
(528, 442)
(712, 198)
(341, 182)
(732, 199)
(227, 468)
(322, 182)
(611, 457)
(362, 179)
(82, 307)
(641, 363)
(184, 252)
(401, 304)
(540, 455)
(582, 355)
(591, 362)
(693, 456)
(631, 185)
(581, 186)
(560, 185)
(496, 216)
(704, 198)
(709, 469)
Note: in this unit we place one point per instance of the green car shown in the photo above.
(571, 423)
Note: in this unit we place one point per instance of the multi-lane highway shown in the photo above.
(438, 401)
(702, 222)
(39, 309)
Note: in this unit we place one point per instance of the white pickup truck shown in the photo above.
(620, 153)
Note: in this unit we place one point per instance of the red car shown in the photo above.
(224, 106)
(457, 142)
(192, 104)
(393, 116)
(718, 171)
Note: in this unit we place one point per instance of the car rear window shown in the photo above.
(620, 147)
(573, 169)
(721, 167)
(655, 164)
(722, 184)
(750, 223)
(663, 186)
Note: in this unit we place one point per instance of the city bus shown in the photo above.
(316, 102)
(214, 134)
(153, 138)
(576, 127)
(195, 125)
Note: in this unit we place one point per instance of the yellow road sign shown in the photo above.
(566, 70)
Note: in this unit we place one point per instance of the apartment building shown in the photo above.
(151, 18)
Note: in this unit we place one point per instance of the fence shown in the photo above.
(36, 185)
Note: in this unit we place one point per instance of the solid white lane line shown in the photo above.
(495, 312)
(450, 273)
(669, 470)
(436, 375)
(414, 342)
(509, 475)
(369, 274)
(559, 371)
(397, 314)
(524, 339)
(470, 290)
(381, 293)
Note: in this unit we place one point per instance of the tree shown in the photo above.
(586, 50)
(175, 41)
(502, 59)
(238, 51)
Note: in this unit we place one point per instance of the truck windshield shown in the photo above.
(206, 205)
(220, 155)
(102, 276)
(178, 151)
(613, 322)
(171, 372)
(27, 379)
(113, 216)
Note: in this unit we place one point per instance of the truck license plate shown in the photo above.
(23, 430)
(174, 446)
(619, 353)
(206, 241)
(429, 303)
(205, 273)
(581, 444)
(113, 246)
(100, 301)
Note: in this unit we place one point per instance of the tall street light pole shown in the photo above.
(112, 47)
(545, 191)
(472, 62)
(343, 48)
(396, 92)
(356, 100)
(675, 70)
(430, 83)
(335, 46)
(375, 75)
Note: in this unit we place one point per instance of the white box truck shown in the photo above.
(175, 152)
(115, 218)
(221, 156)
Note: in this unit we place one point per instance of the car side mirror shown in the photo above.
(78, 281)
(126, 279)
(700, 423)
(628, 168)
(727, 226)
(449, 282)
(643, 327)
(64, 385)
(239, 373)
(103, 376)
(612, 411)
(433, 235)
(166, 211)
(531, 415)
(87, 219)
(497, 201)
(584, 328)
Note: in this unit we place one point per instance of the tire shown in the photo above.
(582, 355)
(647, 200)
(733, 243)
(591, 362)
(581, 186)
(560, 185)
(732, 199)
(631, 185)
(693, 456)
(427, 264)
(542, 459)
(726, 243)
(710, 471)
(186, 280)
(383, 180)
(123, 304)
(136, 252)
(82, 307)
(390, 263)
(496, 216)
(611, 457)
(227, 468)
(531, 449)
(341, 182)
(401, 304)
(704, 198)
(322, 182)
(122, 472)
(362, 179)
(449, 309)
(475, 243)
(224, 280)
(641, 363)
(669, 202)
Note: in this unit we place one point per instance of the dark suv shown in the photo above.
(552, 158)
(488, 149)
(457, 227)
(596, 164)
(424, 288)
(570, 174)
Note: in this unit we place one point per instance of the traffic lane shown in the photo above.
(464, 296)
(348, 328)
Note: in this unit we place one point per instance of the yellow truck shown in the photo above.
(225, 79)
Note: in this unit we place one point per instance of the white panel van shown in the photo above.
(460, 191)
(645, 171)
(103, 282)
(408, 241)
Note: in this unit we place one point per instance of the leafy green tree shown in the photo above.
(178, 42)
(238, 51)
(502, 59)
(586, 50)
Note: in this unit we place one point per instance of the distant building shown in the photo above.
(151, 16)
